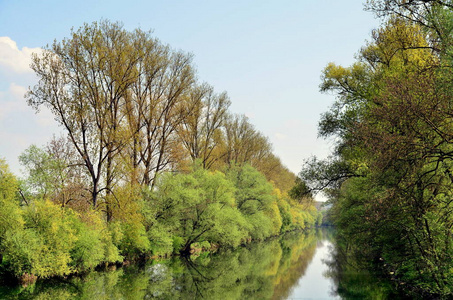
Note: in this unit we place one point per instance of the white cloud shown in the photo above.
(250, 115)
(15, 59)
(280, 136)
(17, 91)
(12, 101)
(14, 105)
(20, 126)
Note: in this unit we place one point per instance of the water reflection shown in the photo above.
(354, 278)
(296, 266)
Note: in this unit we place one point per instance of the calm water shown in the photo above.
(296, 266)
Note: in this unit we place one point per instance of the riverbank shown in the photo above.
(259, 270)
(184, 213)
(294, 265)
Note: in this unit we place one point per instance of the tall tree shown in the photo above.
(390, 177)
(243, 142)
(157, 104)
(120, 96)
(200, 131)
(84, 80)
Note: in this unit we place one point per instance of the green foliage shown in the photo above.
(111, 237)
(54, 242)
(161, 241)
(8, 183)
(300, 190)
(42, 247)
(256, 201)
(134, 239)
(253, 191)
(287, 219)
(191, 206)
(41, 170)
(389, 179)
(178, 242)
(264, 270)
(183, 213)
(88, 250)
(10, 214)
(20, 250)
(226, 210)
(231, 230)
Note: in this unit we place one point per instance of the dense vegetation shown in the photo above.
(390, 177)
(153, 163)
(266, 270)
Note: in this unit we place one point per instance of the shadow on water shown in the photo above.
(355, 278)
(274, 269)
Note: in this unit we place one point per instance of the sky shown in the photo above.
(267, 55)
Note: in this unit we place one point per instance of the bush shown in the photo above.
(88, 250)
(134, 241)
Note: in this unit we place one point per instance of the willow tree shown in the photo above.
(390, 178)
(200, 132)
(120, 96)
(83, 80)
(157, 105)
(243, 143)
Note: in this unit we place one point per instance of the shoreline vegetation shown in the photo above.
(198, 211)
(265, 270)
(389, 179)
(152, 163)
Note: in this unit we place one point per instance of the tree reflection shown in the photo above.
(355, 278)
(265, 270)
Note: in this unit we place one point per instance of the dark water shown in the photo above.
(295, 266)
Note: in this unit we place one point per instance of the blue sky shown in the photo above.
(268, 56)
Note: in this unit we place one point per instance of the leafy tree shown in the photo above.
(53, 172)
(42, 246)
(194, 207)
(10, 214)
(389, 179)
(83, 80)
(200, 131)
(301, 192)
(254, 199)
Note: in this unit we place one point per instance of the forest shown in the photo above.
(390, 180)
(152, 163)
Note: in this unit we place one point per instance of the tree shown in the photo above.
(71, 184)
(254, 199)
(120, 97)
(39, 167)
(53, 173)
(160, 96)
(83, 80)
(243, 143)
(389, 178)
(10, 215)
(200, 131)
(192, 208)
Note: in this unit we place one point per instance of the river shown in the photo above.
(294, 266)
